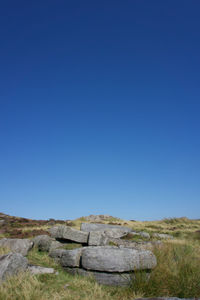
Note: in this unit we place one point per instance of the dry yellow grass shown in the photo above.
(63, 287)
(175, 226)
(177, 273)
(30, 228)
(4, 250)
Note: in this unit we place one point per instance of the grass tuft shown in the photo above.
(177, 273)
(4, 250)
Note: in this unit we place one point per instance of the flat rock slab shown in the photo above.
(11, 264)
(114, 259)
(87, 227)
(21, 246)
(69, 234)
(40, 270)
(113, 279)
(71, 258)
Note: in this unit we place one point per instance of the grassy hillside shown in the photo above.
(177, 273)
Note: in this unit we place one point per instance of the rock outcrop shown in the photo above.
(17, 245)
(108, 265)
(114, 259)
(11, 264)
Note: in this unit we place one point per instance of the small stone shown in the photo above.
(40, 270)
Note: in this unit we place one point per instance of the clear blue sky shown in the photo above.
(100, 108)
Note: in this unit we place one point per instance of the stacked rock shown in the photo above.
(109, 265)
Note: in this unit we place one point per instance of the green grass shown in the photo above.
(177, 273)
(62, 286)
(135, 238)
(40, 258)
(4, 250)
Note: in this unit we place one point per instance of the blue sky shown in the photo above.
(99, 108)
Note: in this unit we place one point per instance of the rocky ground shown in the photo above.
(157, 258)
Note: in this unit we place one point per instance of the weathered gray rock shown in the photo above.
(162, 236)
(144, 234)
(56, 232)
(44, 244)
(40, 270)
(87, 227)
(17, 245)
(11, 264)
(101, 238)
(115, 233)
(68, 233)
(97, 238)
(114, 259)
(36, 240)
(56, 253)
(55, 245)
(114, 279)
(71, 258)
